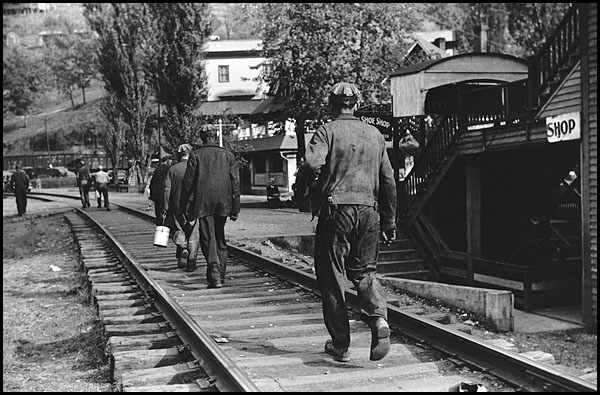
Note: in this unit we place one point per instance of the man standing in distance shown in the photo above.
(212, 178)
(171, 198)
(84, 183)
(19, 184)
(356, 199)
(102, 187)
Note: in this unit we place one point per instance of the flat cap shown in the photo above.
(184, 148)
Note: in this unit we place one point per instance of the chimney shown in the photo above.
(440, 42)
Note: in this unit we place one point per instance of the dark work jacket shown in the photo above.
(83, 174)
(212, 177)
(173, 186)
(19, 182)
(157, 183)
(350, 160)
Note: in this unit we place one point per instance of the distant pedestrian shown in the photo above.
(211, 187)
(38, 183)
(84, 183)
(19, 184)
(171, 198)
(355, 201)
(157, 188)
(102, 179)
(273, 195)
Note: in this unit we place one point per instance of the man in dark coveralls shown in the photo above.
(171, 207)
(19, 184)
(212, 178)
(84, 183)
(355, 201)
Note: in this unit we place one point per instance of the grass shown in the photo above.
(52, 338)
(65, 125)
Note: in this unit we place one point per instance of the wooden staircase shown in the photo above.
(402, 260)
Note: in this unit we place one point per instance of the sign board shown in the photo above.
(381, 121)
(563, 127)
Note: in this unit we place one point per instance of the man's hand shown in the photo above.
(233, 217)
(388, 236)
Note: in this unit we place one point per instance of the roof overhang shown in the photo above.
(410, 85)
(222, 107)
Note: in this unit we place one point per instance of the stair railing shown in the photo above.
(428, 162)
(545, 66)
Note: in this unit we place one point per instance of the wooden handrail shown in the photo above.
(554, 54)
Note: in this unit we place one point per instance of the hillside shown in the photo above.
(54, 124)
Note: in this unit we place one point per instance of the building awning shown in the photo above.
(235, 107)
(270, 108)
(283, 142)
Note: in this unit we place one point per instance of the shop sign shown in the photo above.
(380, 121)
(564, 127)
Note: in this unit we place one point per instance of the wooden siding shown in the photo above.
(593, 153)
(503, 138)
(567, 97)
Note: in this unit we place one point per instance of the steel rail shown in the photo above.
(224, 373)
(507, 365)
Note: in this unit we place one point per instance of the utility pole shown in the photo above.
(159, 133)
(47, 139)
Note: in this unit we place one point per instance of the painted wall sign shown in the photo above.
(563, 127)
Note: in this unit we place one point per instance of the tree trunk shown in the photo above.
(72, 101)
(83, 95)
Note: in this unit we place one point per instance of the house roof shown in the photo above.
(415, 68)
(428, 47)
(238, 107)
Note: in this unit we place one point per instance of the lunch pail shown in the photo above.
(161, 236)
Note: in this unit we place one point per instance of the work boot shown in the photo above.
(213, 275)
(380, 338)
(339, 354)
(190, 266)
(182, 262)
(99, 203)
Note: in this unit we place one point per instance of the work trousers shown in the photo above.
(21, 198)
(84, 194)
(103, 190)
(159, 205)
(209, 233)
(347, 246)
(177, 234)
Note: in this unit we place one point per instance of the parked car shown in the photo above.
(122, 174)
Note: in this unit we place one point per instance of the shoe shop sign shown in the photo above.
(564, 127)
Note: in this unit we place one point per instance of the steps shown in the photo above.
(402, 260)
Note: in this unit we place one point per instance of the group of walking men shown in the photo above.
(193, 198)
(347, 176)
(85, 181)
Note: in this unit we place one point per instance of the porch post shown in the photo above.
(473, 176)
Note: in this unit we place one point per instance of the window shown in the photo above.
(223, 73)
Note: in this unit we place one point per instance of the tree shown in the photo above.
(518, 29)
(312, 46)
(113, 136)
(175, 66)
(73, 64)
(24, 81)
(530, 24)
(122, 31)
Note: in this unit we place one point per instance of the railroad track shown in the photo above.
(263, 331)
